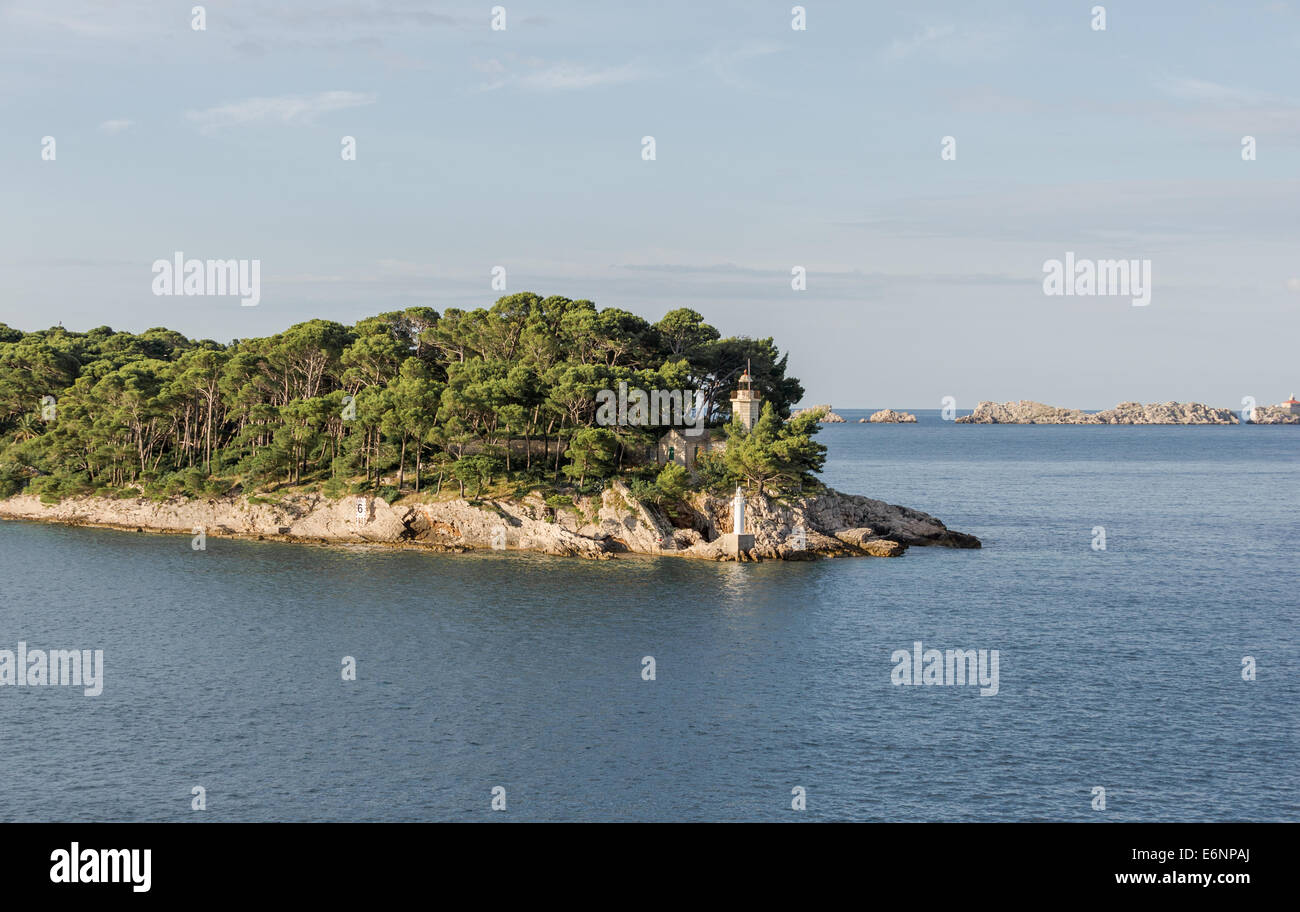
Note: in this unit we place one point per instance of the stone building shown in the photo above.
(1291, 405)
(675, 446)
(681, 446)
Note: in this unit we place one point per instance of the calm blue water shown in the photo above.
(1118, 669)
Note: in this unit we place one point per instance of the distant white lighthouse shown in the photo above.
(738, 512)
(746, 402)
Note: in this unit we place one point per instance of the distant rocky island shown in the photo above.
(827, 417)
(1274, 414)
(1029, 412)
(884, 416)
(889, 416)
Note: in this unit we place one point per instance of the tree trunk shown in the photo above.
(207, 461)
(401, 465)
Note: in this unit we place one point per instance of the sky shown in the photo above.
(775, 148)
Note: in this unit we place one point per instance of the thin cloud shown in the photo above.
(279, 109)
(825, 273)
(901, 48)
(1146, 214)
(686, 269)
(99, 21)
(116, 126)
(1189, 89)
(953, 43)
(1215, 107)
(399, 14)
(726, 61)
(559, 77)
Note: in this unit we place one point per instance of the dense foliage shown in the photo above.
(396, 400)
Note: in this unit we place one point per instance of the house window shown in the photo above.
(671, 451)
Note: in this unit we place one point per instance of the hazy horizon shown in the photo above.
(775, 148)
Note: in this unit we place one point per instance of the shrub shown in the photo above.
(216, 487)
(673, 483)
(11, 480)
(52, 488)
(174, 484)
(193, 482)
(643, 491)
(712, 475)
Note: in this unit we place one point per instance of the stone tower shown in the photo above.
(746, 402)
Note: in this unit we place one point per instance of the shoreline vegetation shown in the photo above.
(445, 431)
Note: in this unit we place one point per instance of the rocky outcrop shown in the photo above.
(829, 524)
(304, 517)
(1027, 412)
(1272, 414)
(828, 418)
(889, 416)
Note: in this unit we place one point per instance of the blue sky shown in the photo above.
(775, 148)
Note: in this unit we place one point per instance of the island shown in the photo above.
(826, 415)
(889, 416)
(540, 423)
(1287, 412)
(1029, 412)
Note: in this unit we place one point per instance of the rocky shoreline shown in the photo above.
(1029, 412)
(599, 527)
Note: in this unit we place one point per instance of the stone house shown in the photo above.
(685, 448)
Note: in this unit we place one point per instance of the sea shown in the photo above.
(1138, 584)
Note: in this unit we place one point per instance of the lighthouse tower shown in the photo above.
(746, 402)
(738, 543)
